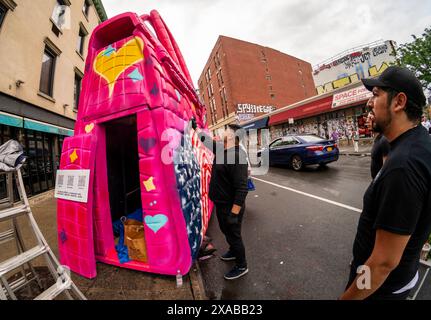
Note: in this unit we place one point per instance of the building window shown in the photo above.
(208, 75)
(38, 171)
(47, 72)
(224, 96)
(76, 90)
(219, 79)
(217, 60)
(3, 10)
(272, 96)
(81, 40)
(214, 105)
(58, 17)
(86, 8)
(268, 77)
(210, 90)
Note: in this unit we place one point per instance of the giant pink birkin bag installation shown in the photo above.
(133, 134)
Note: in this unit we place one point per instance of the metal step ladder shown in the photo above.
(9, 211)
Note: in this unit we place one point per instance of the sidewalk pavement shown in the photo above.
(364, 150)
(111, 283)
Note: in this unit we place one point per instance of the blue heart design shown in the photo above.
(156, 222)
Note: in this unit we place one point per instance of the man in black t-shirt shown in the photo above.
(379, 153)
(396, 218)
(380, 149)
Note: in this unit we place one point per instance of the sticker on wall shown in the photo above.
(154, 91)
(74, 156)
(147, 143)
(89, 127)
(63, 236)
(178, 95)
(135, 75)
(149, 184)
(110, 64)
(156, 222)
(108, 51)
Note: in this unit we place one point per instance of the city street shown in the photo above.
(298, 231)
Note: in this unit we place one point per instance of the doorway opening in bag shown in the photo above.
(124, 188)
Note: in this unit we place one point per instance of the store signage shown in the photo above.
(242, 117)
(243, 108)
(72, 185)
(351, 96)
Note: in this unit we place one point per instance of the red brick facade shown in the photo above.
(245, 73)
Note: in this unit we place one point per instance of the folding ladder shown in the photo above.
(10, 211)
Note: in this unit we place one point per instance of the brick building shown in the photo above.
(252, 77)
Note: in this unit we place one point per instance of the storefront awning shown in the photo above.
(303, 111)
(258, 124)
(11, 120)
(45, 127)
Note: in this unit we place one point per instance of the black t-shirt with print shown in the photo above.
(399, 201)
(380, 149)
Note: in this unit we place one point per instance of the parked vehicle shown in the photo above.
(301, 150)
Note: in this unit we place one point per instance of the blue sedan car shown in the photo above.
(301, 150)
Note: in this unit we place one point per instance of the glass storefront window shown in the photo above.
(43, 158)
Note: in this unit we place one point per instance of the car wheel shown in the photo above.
(296, 163)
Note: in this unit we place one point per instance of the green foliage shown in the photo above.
(416, 56)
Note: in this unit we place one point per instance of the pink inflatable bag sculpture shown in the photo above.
(134, 115)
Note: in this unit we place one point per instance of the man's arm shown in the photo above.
(206, 139)
(388, 250)
(240, 176)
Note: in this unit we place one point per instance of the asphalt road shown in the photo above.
(298, 230)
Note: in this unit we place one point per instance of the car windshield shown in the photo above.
(311, 139)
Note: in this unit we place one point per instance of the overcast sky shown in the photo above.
(312, 30)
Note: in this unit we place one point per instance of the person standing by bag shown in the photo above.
(228, 190)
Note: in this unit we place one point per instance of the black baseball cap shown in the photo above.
(399, 79)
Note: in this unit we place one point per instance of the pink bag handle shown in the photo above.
(180, 78)
(168, 41)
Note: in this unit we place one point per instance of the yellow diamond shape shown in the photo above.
(73, 157)
(149, 184)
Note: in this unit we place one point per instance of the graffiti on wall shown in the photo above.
(336, 129)
(192, 164)
(353, 67)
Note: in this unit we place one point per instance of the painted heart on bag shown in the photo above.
(156, 222)
(89, 127)
(111, 63)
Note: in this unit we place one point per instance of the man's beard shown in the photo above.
(380, 126)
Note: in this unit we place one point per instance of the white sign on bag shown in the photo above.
(72, 185)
